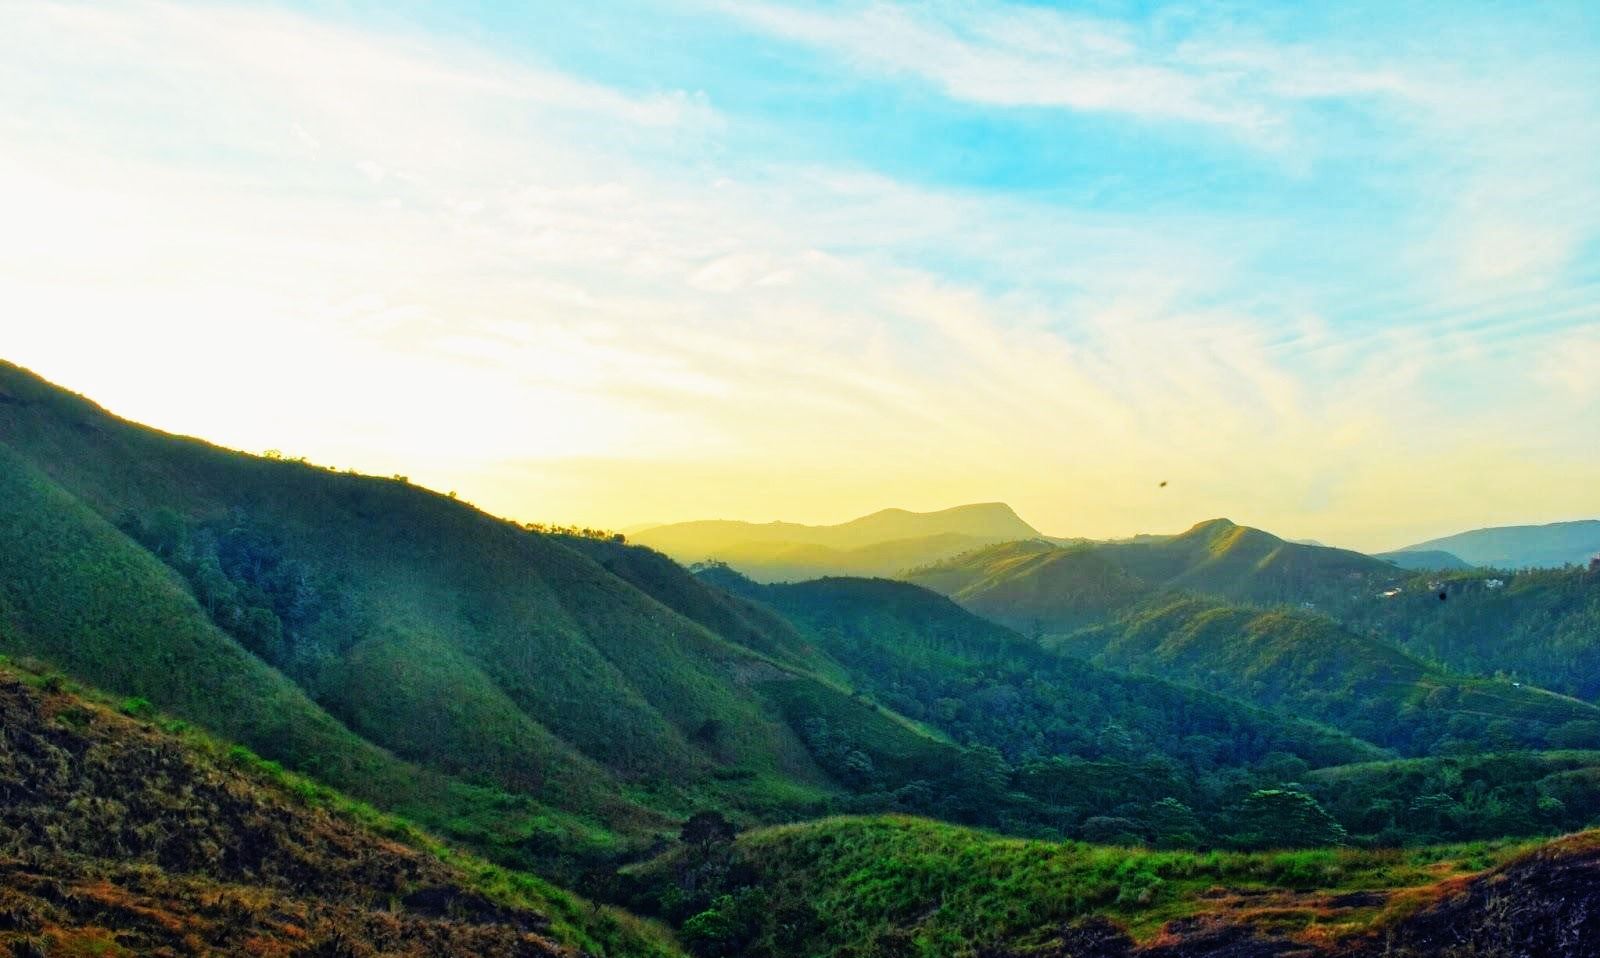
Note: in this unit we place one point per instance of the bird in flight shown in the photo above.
(1163, 484)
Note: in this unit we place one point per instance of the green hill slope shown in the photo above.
(78, 592)
(1070, 742)
(1540, 626)
(466, 645)
(793, 562)
(896, 638)
(1422, 800)
(1035, 587)
(1221, 558)
(1132, 606)
(1306, 664)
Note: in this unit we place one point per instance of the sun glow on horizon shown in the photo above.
(1330, 280)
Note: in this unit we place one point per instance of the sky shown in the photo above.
(1332, 270)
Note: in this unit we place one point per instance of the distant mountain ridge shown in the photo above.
(1521, 547)
(1424, 559)
(1235, 610)
(1060, 588)
(881, 543)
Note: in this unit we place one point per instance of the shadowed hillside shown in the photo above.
(1221, 558)
(1075, 750)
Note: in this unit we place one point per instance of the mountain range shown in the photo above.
(253, 704)
(882, 543)
(1521, 547)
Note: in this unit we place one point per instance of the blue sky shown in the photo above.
(1329, 269)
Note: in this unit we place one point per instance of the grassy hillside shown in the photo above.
(894, 638)
(749, 623)
(1035, 587)
(878, 544)
(1306, 664)
(1221, 558)
(883, 886)
(120, 836)
(1039, 587)
(1540, 627)
(1132, 605)
(1521, 547)
(78, 592)
(1076, 750)
(507, 660)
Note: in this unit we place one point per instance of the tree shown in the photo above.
(262, 633)
(1284, 818)
(858, 770)
(1111, 830)
(1174, 824)
(706, 829)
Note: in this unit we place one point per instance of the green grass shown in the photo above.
(855, 884)
(1033, 586)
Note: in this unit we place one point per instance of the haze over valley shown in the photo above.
(799, 479)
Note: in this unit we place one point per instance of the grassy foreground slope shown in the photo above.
(122, 835)
(897, 886)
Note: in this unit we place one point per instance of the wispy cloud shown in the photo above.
(410, 253)
(1016, 57)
